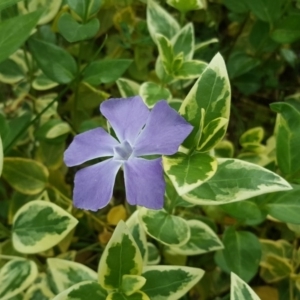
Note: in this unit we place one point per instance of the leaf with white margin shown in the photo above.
(120, 296)
(164, 227)
(67, 273)
(190, 69)
(212, 93)
(1, 156)
(139, 235)
(127, 88)
(160, 21)
(132, 283)
(82, 291)
(120, 257)
(287, 137)
(15, 276)
(169, 282)
(253, 136)
(212, 134)
(236, 180)
(188, 172)
(186, 5)
(152, 92)
(43, 83)
(40, 225)
(203, 239)
(240, 290)
(50, 9)
(40, 291)
(153, 254)
(184, 41)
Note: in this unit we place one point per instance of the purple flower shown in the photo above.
(140, 133)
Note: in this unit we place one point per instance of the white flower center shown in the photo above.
(123, 151)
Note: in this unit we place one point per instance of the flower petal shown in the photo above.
(127, 116)
(94, 185)
(89, 145)
(164, 131)
(144, 182)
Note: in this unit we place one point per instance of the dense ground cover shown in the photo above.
(194, 197)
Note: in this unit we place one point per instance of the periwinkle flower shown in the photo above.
(140, 132)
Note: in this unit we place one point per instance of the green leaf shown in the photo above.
(187, 172)
(285, 207)
(190, 69)
(52, 129)
(266, 10)
(16, 276)
(25, 175)
(164, 227)
(240, 63)
(184, 41)
(240, 290)
(152, 93)
(237, 6)
(1, 156)
(242, 253)
(42, 83)
(287, 30)
(127, 88)
(287, 137)
(6, 3)
(15, 31)
(55, 62)
(159, 21)
(202, 240)
(66, 273)
(211, 92)
(85, 9)
(82, 291)
(169, 282)
(73, 31)
(236, 180)
(40, 225)
(120, 257)
(187, 5)
(105, 71)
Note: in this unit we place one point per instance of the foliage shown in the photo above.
(229, 227)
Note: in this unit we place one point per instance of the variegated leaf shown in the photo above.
(236, 180)
(210, 92)
(66, 273)
(240, 290)
(184, 41)
(164, 227)
(202, 240)
(15, 276)
(127, 88)
(120, 296)
(160, 21)
(253, 136)
(43, 83)
(82, 291)
(186, 5)
(169, 282)
(25, 175)
(188, 172)
(152, 92)
(224, 149)
(40, 225)
(120, 257)
(132, 283)
(153, 254)
(139, 235)
(190, 69)
(50, 9)
(40, 290)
